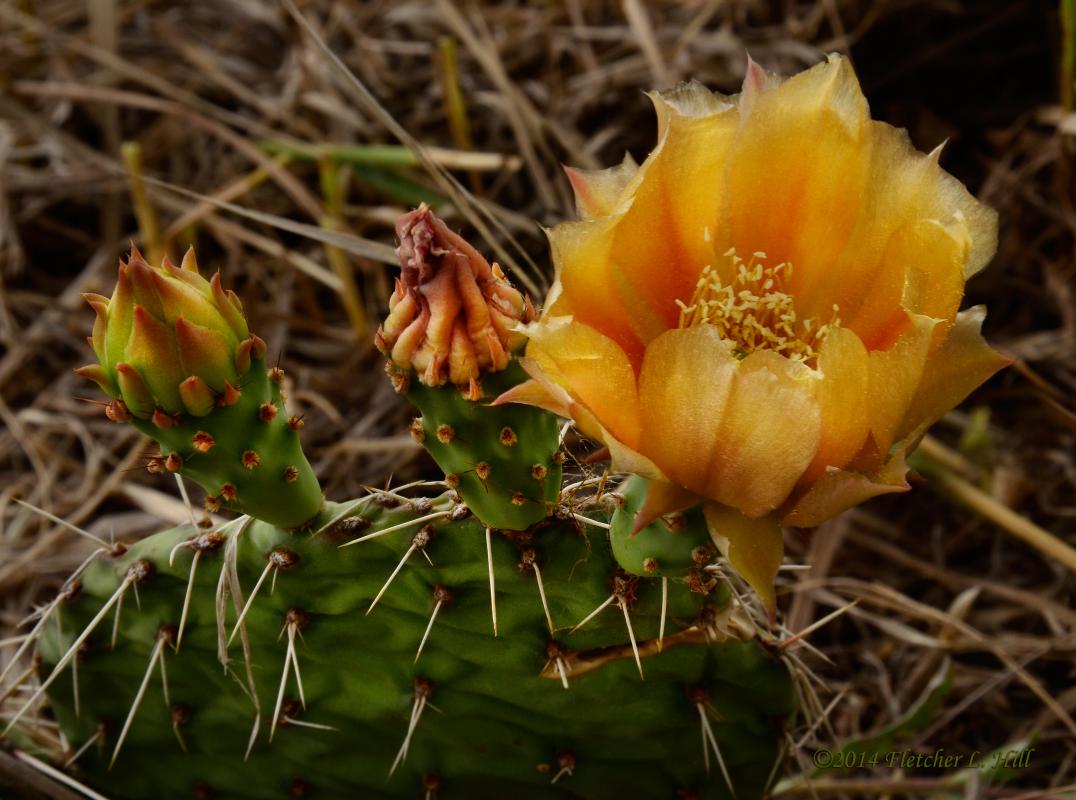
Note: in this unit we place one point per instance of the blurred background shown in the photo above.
(228, 126)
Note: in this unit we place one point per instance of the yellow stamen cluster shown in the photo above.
(755, 312)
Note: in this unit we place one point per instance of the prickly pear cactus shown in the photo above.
(326, 692)
(510, 637)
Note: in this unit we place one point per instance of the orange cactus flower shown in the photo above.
(764, 314)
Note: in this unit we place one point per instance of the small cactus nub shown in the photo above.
(116, 411)
(267, 412)
(508, 437)
(283, 558)
(675, 521)
(417, 431)
(203, 442)
(141, 570)
(445, 433)
(291, 474)
(162, 420)
(251, 459)
(173, 462)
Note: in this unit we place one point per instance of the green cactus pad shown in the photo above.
(246, 455)
(677, 544)
(503, 460)
(498, 722)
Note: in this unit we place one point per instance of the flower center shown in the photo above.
(755, 312)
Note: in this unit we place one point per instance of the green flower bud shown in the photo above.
(168, 340)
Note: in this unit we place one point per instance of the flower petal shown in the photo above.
(921, 272)
(179, 299)
(594, 370)
(842, 401)
(906, 186)
(797, 171)
(668, 233)
(754, 547)
(599, 192)
(206, 353)
(689, 99)
(153, 353)
(120, 318)
(838, 490)
(952, 372)
(684, 386)
(895, 375)
(662, 498)
(586, 282)
(625, 459)
(769, 434)
(737, 432)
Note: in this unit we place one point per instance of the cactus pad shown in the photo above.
(503, 460)
(246, 453)
(675, 544)
(488, 716)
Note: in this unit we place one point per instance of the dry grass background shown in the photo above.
(233, 102)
